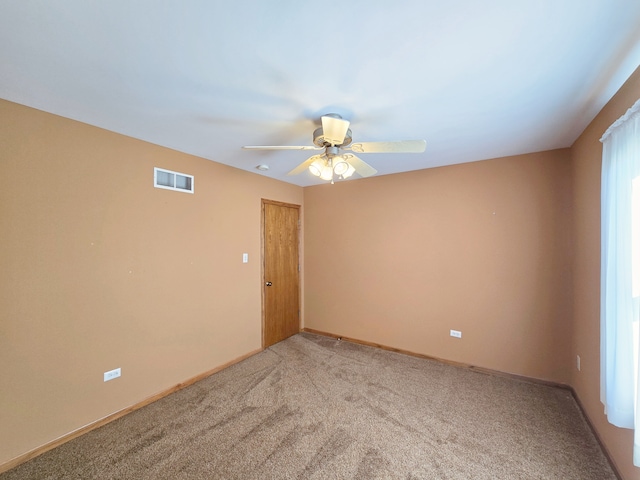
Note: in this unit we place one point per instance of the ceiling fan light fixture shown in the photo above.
(327, 172)
(316, 167)
(350, 171)
(340, 166)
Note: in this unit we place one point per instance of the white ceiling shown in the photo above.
(477, 79)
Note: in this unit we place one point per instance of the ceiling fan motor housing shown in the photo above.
(319, 140)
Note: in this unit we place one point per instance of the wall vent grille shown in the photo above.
(180, 182)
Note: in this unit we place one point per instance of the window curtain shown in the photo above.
(620, 281)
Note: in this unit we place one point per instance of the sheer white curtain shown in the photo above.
(620, 274)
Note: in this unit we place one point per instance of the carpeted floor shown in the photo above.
(312, 407)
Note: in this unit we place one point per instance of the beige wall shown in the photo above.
(100, 270)
(586, 166)
(483, 247)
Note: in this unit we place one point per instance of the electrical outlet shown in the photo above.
(455, 333)
(578, 362)
(111, 374)
(245, 258)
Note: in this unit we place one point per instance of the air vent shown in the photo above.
(169, 180)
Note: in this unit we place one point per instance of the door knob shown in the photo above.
(268, 284)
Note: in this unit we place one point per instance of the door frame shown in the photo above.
(263, 202)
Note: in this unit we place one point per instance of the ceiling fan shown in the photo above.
(334, 138)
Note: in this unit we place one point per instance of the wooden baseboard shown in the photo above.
(595, 434)
(487, 371)
(120, 413)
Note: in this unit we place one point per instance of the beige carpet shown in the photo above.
(312, 407)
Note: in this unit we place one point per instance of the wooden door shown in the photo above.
(281, 277)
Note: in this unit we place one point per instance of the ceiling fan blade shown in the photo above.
(334, 129)
(304, 165)
(280, 147)
(362, 168)
(403, 146)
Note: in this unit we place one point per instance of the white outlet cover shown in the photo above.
(245, 258)
(111, 374)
